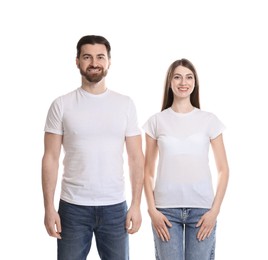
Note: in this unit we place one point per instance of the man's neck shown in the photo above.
(94, 88)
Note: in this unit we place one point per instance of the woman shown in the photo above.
(181, 201)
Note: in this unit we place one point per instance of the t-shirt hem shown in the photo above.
(95, 203)
(53, 131)
(148, 133)
(184, 206)
(133, 134)
(218, 133)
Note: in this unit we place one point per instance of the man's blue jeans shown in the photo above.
(79, 223)
(183, 244)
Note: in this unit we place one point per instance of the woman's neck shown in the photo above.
(182, 107)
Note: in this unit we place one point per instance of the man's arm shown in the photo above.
(50, 166)
(136, 171)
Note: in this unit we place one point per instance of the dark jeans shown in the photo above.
(79, 223)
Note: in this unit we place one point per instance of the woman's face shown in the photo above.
(182, 82)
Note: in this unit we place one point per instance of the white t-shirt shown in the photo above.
(183, 173)
(94, 128)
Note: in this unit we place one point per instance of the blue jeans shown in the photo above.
(79, 223)
(183, 244)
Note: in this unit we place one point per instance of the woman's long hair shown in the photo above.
(168, 93)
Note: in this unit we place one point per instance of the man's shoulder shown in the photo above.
(67, 94)
(118, 94)
(120, 97)
(71, 93)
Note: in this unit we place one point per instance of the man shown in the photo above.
(92, 123)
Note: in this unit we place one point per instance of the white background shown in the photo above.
(226, 41)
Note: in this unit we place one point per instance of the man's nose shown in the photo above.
(93, 62)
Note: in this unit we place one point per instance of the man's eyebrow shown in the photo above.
(87, 54)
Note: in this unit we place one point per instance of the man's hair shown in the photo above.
(93, 39)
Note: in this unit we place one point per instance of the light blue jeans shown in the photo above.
(183, 244)
(79, 223)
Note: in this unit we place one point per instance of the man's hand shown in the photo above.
(52, 223)
(134, 219)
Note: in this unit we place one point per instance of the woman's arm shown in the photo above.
(159, 221)
(223, 171)
(208, 221)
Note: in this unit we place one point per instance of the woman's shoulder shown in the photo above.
(209, 117)
(205, 113)
(160, 114)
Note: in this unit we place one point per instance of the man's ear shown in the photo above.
(77, 63)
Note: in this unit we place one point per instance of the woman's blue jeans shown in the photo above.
(79, 223)
(183, 244)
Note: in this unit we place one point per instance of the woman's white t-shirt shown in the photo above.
(183, 174)
(94, 128)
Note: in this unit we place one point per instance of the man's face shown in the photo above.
(93, 62)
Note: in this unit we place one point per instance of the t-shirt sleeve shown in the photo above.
(216, 127)
(150, 127)
(132, 123)
(54, 118)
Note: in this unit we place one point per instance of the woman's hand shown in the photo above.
(206, 223)
(160, 224)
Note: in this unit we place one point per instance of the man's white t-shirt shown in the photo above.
(94, 128)
(183, 174)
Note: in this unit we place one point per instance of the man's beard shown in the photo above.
(94, 77)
